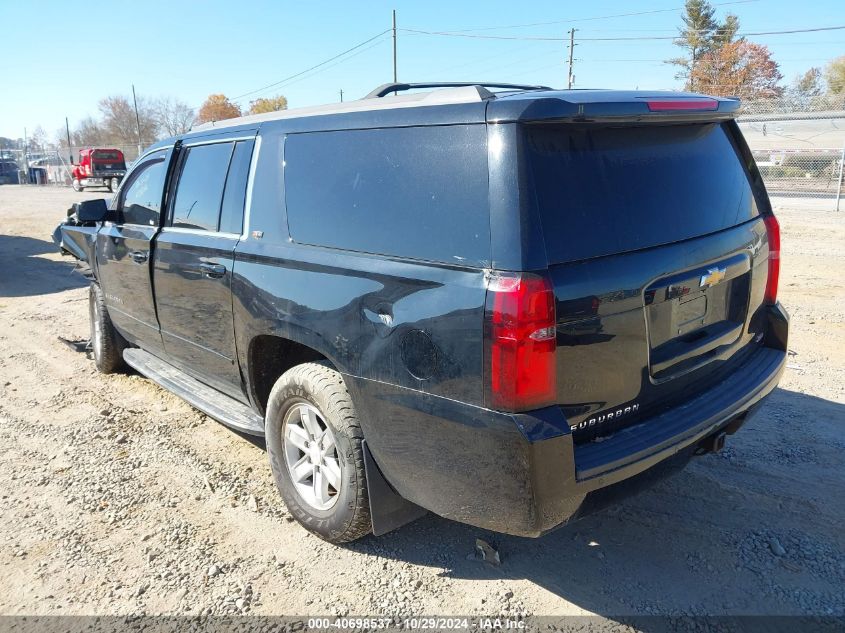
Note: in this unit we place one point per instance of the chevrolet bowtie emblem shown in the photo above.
(713, 276)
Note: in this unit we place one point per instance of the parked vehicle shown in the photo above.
(508, 308)
(9, 172)
(99, 167)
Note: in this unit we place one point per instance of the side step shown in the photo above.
(208, 400)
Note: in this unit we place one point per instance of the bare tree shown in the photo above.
(173, 116)
(89, 133)
(119, 122)
(38, 139)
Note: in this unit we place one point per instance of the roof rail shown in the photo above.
(386, 89)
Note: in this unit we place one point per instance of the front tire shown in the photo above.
(106, 341)
(314, 442)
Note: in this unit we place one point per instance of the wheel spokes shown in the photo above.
(309, 421)
(331, 469)
(327, 443)
(297, 436)
(312, 457)
(302, 469)
(321, 486)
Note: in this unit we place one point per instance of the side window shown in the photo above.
(199, 191)
(232, 212)
(418, 192)
(141, 198)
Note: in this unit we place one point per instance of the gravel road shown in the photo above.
(119, 498)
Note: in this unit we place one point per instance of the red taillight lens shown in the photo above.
(522, 342)
(663, 105)
(773, 233)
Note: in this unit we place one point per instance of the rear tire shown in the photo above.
(310, 408)
(113, 184)
(76, 186)
(106, 341)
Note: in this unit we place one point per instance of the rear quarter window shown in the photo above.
(416, 192)
(603, 190)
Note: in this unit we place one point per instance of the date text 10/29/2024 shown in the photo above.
(418, 623)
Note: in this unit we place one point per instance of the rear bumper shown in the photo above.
(521, 473)
(99, 180)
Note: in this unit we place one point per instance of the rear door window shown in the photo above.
(605, 190)
(232, 211)
(416, 192)
(199, 191)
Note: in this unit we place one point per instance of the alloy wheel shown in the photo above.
(311, 456)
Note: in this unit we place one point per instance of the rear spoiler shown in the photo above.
(666, 107)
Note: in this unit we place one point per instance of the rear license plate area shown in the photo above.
(689, 320)
(690, 314)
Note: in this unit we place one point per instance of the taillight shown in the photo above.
(86, 169)
(521, 341)
(773, 233)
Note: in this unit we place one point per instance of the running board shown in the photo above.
(208, 400)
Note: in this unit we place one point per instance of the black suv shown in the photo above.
(504, 304)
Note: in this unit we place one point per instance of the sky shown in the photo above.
(60, 58)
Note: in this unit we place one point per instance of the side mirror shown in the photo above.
(92, 210)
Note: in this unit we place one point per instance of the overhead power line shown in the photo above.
(540, 38)
(599, 17)
(314, 67)
(308, 75)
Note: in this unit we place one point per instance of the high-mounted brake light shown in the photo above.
(521, 341)
(773, 233)
(664, 105)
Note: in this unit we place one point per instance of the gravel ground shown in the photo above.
(119, 498)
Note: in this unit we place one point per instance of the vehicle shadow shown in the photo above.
(25, 273)
(698, 543)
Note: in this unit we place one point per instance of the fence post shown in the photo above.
(839, 186)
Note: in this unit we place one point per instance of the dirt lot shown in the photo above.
(119, 498)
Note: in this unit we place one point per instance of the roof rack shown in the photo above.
(386, 89)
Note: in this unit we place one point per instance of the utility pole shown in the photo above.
(26, 153)
(571, 59)
(69, 150)
(394, 48)
(137, 118)
(341, 95)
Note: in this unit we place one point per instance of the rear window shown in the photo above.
(605, 190)
(104, 155)
(411, 192)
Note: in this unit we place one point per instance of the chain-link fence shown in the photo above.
(55, 166)
(800, 152)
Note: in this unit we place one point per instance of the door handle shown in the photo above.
(215, 271)
(139, 257)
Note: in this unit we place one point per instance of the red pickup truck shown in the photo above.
(99, 167)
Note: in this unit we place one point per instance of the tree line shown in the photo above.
(719, 62)
(116, 123)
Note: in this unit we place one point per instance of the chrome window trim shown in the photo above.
(253, 165)
(214, 141)
(183, 230)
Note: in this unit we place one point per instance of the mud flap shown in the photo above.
(388, 510)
